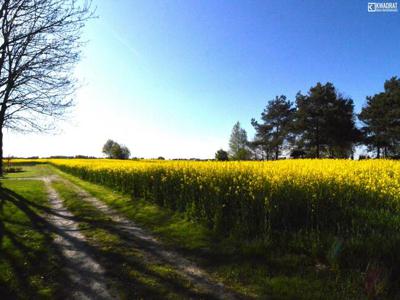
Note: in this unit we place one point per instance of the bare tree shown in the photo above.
(40, 43)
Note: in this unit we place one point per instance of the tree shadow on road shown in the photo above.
(138, 266)
(33, 263)
(30, 265)
(132, 273)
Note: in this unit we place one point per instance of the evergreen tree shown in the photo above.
(381, 120)
(273, 131)
(324, 123)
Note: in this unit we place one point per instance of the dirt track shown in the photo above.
(87, 275)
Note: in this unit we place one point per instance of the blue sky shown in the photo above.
(171, 78)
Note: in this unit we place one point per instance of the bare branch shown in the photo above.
(40, 43)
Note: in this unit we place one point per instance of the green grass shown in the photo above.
(30, 171)
(259, 269)
(29, 264)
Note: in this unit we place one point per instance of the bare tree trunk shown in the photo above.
(1, 151)
(378, 152)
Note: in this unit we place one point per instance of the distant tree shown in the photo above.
(381, 120)
(221, 155)
(79, 156)
(123, 152)
(107, 148)
(39, 46)
(160, 158)
(324, 123)
(116, 151)
(238, 143)
(274, 129)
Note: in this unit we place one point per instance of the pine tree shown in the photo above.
(324, 123)
(273, 131)
(381, 119)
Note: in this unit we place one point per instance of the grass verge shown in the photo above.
(29, 264)
(29, 171)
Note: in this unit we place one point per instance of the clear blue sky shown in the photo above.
(172, 77)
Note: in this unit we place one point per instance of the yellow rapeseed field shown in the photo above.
(381, 176)
(347, 212)
(253, 198)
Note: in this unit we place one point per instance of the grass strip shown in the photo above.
(30, 265)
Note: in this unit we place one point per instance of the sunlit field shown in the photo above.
(186, 150)
(251, 199)
(341, 214)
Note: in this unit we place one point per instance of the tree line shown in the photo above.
(321, 124)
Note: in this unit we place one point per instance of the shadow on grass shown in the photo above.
(24, 163)
(29, 263)
(133, 275)
(26, 259)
